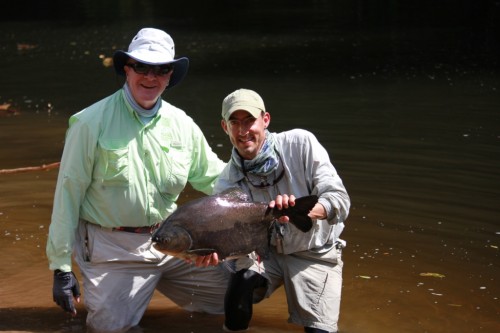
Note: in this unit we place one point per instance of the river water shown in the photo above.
(411, 120)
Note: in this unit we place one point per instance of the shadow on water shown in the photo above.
(40, 320)
(410, 119)
(45, 320)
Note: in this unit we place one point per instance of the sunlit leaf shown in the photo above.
(433, 275)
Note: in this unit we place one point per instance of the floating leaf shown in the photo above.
(107, 62)
(432, 275)
(26, 46)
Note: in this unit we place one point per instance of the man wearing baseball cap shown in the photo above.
(126, 160)
(277, 168)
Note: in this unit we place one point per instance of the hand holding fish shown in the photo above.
(284, 201)
(318, 212)
(211, 259)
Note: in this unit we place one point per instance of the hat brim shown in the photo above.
(180, 65)
(253, 111)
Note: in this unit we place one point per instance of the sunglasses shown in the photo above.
(144, 69)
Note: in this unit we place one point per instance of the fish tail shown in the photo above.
(299, 214)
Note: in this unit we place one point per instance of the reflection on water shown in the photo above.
(417, 145)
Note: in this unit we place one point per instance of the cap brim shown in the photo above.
(253, 111)
(180, 65)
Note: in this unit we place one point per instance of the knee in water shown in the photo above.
(238, 302)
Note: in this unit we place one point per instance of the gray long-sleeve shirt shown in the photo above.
(308, 170)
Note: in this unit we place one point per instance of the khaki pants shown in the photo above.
(313, 285)
(121, 271)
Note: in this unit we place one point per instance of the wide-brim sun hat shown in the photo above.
(153, 47)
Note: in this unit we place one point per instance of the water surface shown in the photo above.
(410, 119)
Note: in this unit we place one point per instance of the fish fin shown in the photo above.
(235, 193)
(299, 214)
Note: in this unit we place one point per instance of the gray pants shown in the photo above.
(121, 272)
(313, 285)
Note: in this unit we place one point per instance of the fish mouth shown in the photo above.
(174, 240)
(162, 245)
(157, 247)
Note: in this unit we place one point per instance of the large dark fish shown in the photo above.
(229, 224)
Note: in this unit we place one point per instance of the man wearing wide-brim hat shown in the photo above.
(126, 160)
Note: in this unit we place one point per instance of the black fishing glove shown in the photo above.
(65, 287)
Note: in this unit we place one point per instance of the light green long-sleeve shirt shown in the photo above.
(116, 171)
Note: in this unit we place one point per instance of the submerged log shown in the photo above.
(33, 168)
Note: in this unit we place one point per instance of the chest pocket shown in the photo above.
(116, 166)
(178, 161)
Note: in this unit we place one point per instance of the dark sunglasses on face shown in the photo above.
(144, 69)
